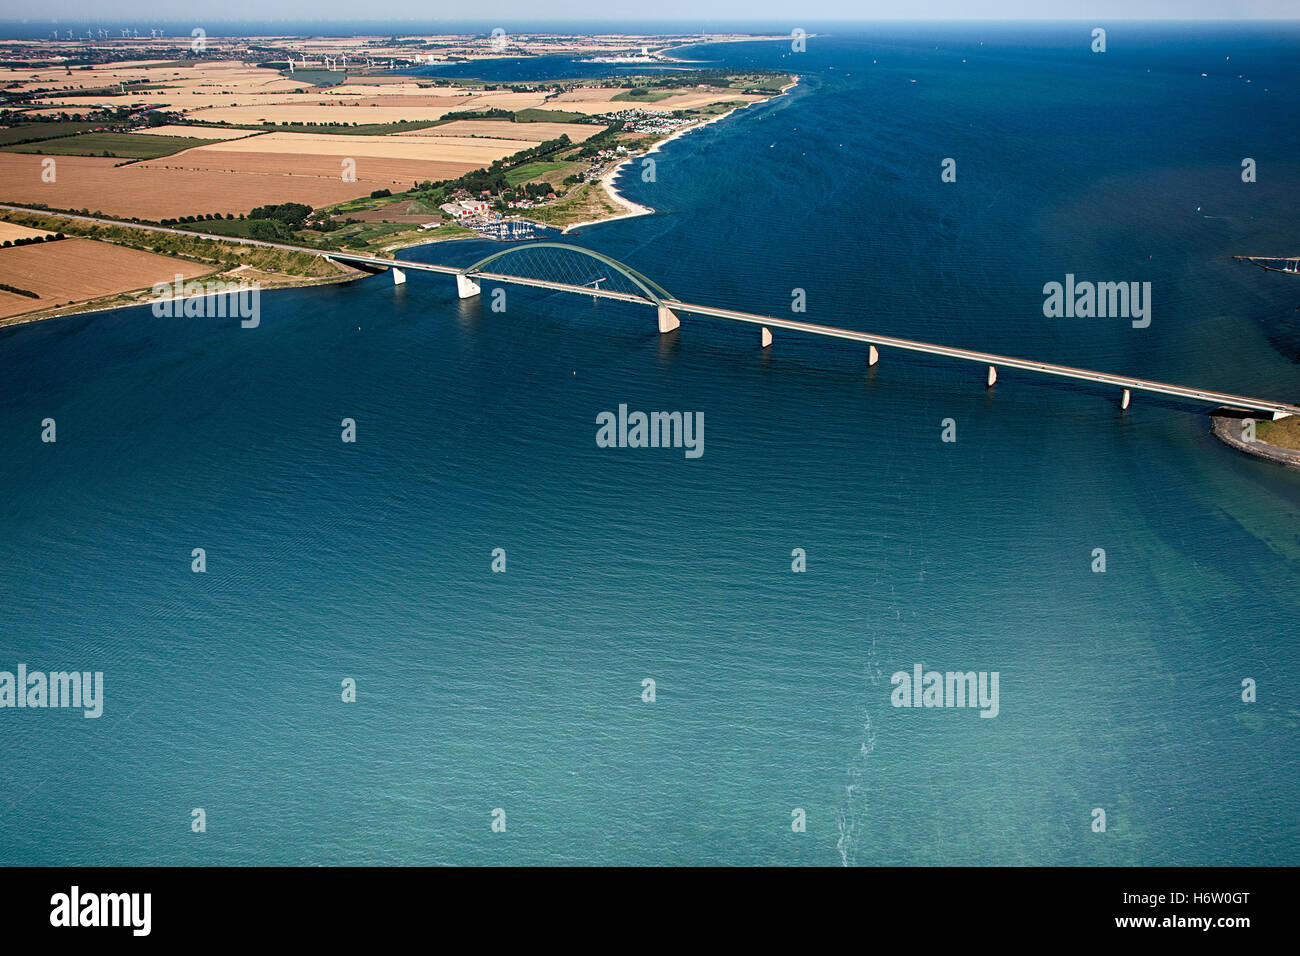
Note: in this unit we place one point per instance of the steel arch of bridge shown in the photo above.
(653, 292)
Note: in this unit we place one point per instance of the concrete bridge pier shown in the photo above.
(872, 355)
(667, 319)
(766, 337)
(1124, 400)
(398, 276)
(993, 376)
(466, 287)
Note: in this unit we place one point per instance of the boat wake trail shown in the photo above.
(852, 817)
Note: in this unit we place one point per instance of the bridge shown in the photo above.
(1289, 264)
(561, 267)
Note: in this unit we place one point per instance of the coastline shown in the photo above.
(134, 297)
(1257, 448)
(636, 209)
(129, 298)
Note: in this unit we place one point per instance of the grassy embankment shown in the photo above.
(119, 145)
(1284, 433)
(34, 132)
(586, 203)
(221, 256)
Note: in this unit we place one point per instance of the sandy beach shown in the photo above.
(636, 209)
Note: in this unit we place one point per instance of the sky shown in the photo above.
(538, 11)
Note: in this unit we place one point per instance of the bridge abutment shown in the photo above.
(466, 287)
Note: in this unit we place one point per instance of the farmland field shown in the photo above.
(533, 132)
(475, 152)
(240, 170)
(194, 132)
(117, 145)
(535, 115)
(31, 132)
(154, 190)
(591, 101)
(530, 172)
(10, 231)
(75, 270)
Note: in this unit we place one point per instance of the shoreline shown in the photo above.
(97, 305)
(1285, 457)
(606, 180)
(635, 209)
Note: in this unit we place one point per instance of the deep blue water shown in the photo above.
(476, 431)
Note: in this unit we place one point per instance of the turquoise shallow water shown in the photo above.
(476, 431)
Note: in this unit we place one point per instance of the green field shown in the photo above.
(371, 236)
(237, 228)
(640, 94)
(32, 132)
(122, 145)
(316, 77)
(534, 115)
(530, 171)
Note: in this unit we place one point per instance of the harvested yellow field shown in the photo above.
(388, 80)
(505, 100)
(592, 101)
(584, 94)
(374, 86)
(10, 231)
(688, 101)
(310, 113)
(332, 107)
(76, 270)
(183, 86)
(499, 129)
(197, 132)
(446, 149)
(79, 79)
(292, 170)
(156, 191)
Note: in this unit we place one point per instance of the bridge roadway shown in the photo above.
(994, 361)
(1277, 409)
